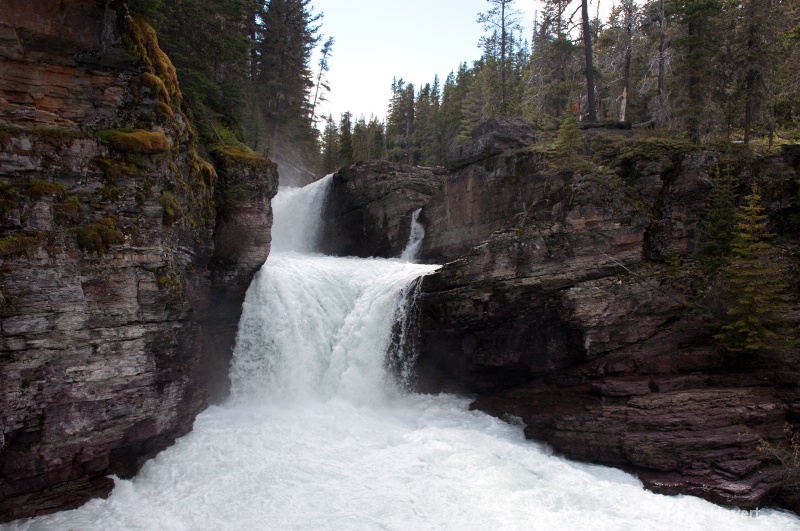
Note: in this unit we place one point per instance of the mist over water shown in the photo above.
(318, 435)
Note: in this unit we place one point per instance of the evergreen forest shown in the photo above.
(709, 71)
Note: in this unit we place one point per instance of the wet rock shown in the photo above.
(369, 207)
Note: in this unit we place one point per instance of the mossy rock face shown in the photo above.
(173, 211)
(142, 40)
(18, 244)
(37, 188)
(157, 88)
(98, 236)
(139, 141)
(237, 156)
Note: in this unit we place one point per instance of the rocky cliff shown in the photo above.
(573, 314)
(120, 281)
(568, 303)
(369, 206)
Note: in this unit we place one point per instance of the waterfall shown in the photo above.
(320, 433)
(415, 237)
(315, 327)
(318, 327)
(296, 216)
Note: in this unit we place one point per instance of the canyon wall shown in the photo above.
(121, 283)
(576, 316)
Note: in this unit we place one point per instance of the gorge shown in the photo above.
(566, 304)
(318, 435)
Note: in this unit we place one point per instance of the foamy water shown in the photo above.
(317, 434)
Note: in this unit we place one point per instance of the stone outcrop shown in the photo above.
(563, 305)
(369, 206)
(491, 138)
(120, 283)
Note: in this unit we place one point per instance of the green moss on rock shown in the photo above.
(172, 208)
(241, 156)
(139, 141)
(40, 188)
(18, 244)
(98, 236)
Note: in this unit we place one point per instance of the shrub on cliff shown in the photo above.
(98, 236)
(787, 453)
(567, 146)
(139, 141)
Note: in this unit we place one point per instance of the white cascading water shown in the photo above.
(415, 238)
(317, 435)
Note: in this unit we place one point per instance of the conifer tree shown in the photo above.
(567, 145)
(346, 140)
(361, 140)
(207, 43)
(330, 147)
(758, 303)
(587, 46)
(284, 36)
(503, 20)
(425, 127)
(325, 53)
(377, 145)
(400, 122)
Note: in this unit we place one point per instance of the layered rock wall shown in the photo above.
(116, 310)
(572, 315)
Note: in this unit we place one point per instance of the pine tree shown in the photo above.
(208, 44)
(456, 88)
(325, 53)
(586, 31)
(377, 145)
(758, 303)
(567, 146)
(502, 19)
(330, 147)
(346, 140)
(284, 36)
(400, 122)
(361, 140)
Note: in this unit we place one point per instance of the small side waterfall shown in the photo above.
(415, 238)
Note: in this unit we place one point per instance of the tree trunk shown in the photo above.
(587, 47)
(503, 107)
(692, 90)
(626, 68)
(750, 82)
(662, 22)
(410, 127)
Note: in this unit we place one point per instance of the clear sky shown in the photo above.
(377, 40)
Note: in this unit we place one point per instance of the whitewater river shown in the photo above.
(317, 435)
